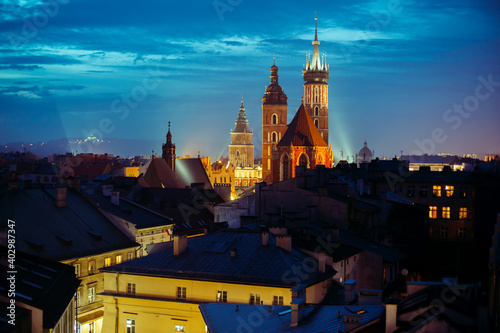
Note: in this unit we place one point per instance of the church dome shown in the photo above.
(365, 154)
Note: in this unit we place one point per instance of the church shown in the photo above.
(304, 142)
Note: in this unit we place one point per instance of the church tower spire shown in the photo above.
(241, 149)
(316, 75)
(168, 150)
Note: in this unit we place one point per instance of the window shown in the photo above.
(446, 212)
(91, 327)
(78, 298)
(130, 256)
(433, 212)
(444, 232)
(275, 119)
(245, 183)
(107, 262)
(436, 191)
(119, 259)
(91, 294)
(179, 328)
(277, 300)
(461, 233)
(462, 193)
(131, 288)
(181, 292)
(411, 190)
(130, 325)
(222, 296)
(316, 111)
(449, 190)
(316, 123)
(275, 137)
(77, 270)
(462, 213)
(254, 298)
(424, 191)
(91, 267)
(303, 160)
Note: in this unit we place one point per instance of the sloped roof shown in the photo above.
(302, 131)
(209, 258)
(38, 282)
(47, 169)
(223, 318)
(191, 170)
(159, 174)
(74, 231)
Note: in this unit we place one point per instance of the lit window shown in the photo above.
(433, 211)
(179, 328)
(254, 298)
(91, 294)
(461, 233)
(77, 270)
(107, 262)
(131, 288)
(449, 190)
(118, 259)
(91, 267)
(446, 212)
(444, 232)
(462, 213)
(78, 298)
(436, 190)
(130, 325)
(462, 192)
(424, 191)
(130, 256)
(277, 300)
(181, 292)
(222, 296)
(411, 190)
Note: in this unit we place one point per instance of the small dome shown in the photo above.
(365, 154)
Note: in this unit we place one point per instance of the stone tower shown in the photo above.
(316, 73)
(241, 148)
(274, 119)
(168, 150)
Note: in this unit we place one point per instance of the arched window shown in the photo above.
(275, 119)
(237, 153)
(316, 111)
(316, 94)
(285, 167)
(321, 159)
(275, 137)
(303, 160)
(316, 122)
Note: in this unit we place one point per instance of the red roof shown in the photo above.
(302, 131)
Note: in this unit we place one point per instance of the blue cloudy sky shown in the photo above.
(123, 69)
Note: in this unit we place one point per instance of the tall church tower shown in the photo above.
(168, 150)
(241, 148)
(316, 73)
(274, 122)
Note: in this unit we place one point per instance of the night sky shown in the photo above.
(126, 68)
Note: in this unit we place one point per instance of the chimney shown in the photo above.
(321, 261)
(391, 315)
(285, 242)
(298, 304)
(180, 244)
(115, 198)
(265, 238)
(351, 321)
(60, 197)
(349, 292)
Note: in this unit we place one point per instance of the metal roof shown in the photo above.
(209, 258)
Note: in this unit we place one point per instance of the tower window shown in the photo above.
(316, 95)
(316, 111)
(275, 137)
(275, 119)
(316, 122)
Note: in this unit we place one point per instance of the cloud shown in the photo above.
(21, 67)
(39, 59)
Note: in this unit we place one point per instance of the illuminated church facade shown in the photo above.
(304, 142)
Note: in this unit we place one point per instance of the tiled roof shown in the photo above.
(46, 169)
(160, 175)
(302, 131)
(74, 231)
(41, 283)
(209, 258)
(223, 317)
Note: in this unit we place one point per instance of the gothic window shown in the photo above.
(321, 160)
(285, 167)
(316, 122)
(237, 153)
(316, 111)
(303, 160)
(275, 137)
(275, 119)
(316, 95)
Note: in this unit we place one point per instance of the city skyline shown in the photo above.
(399, 72)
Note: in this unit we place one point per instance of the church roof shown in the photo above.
(241, 125)
(302, 131)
